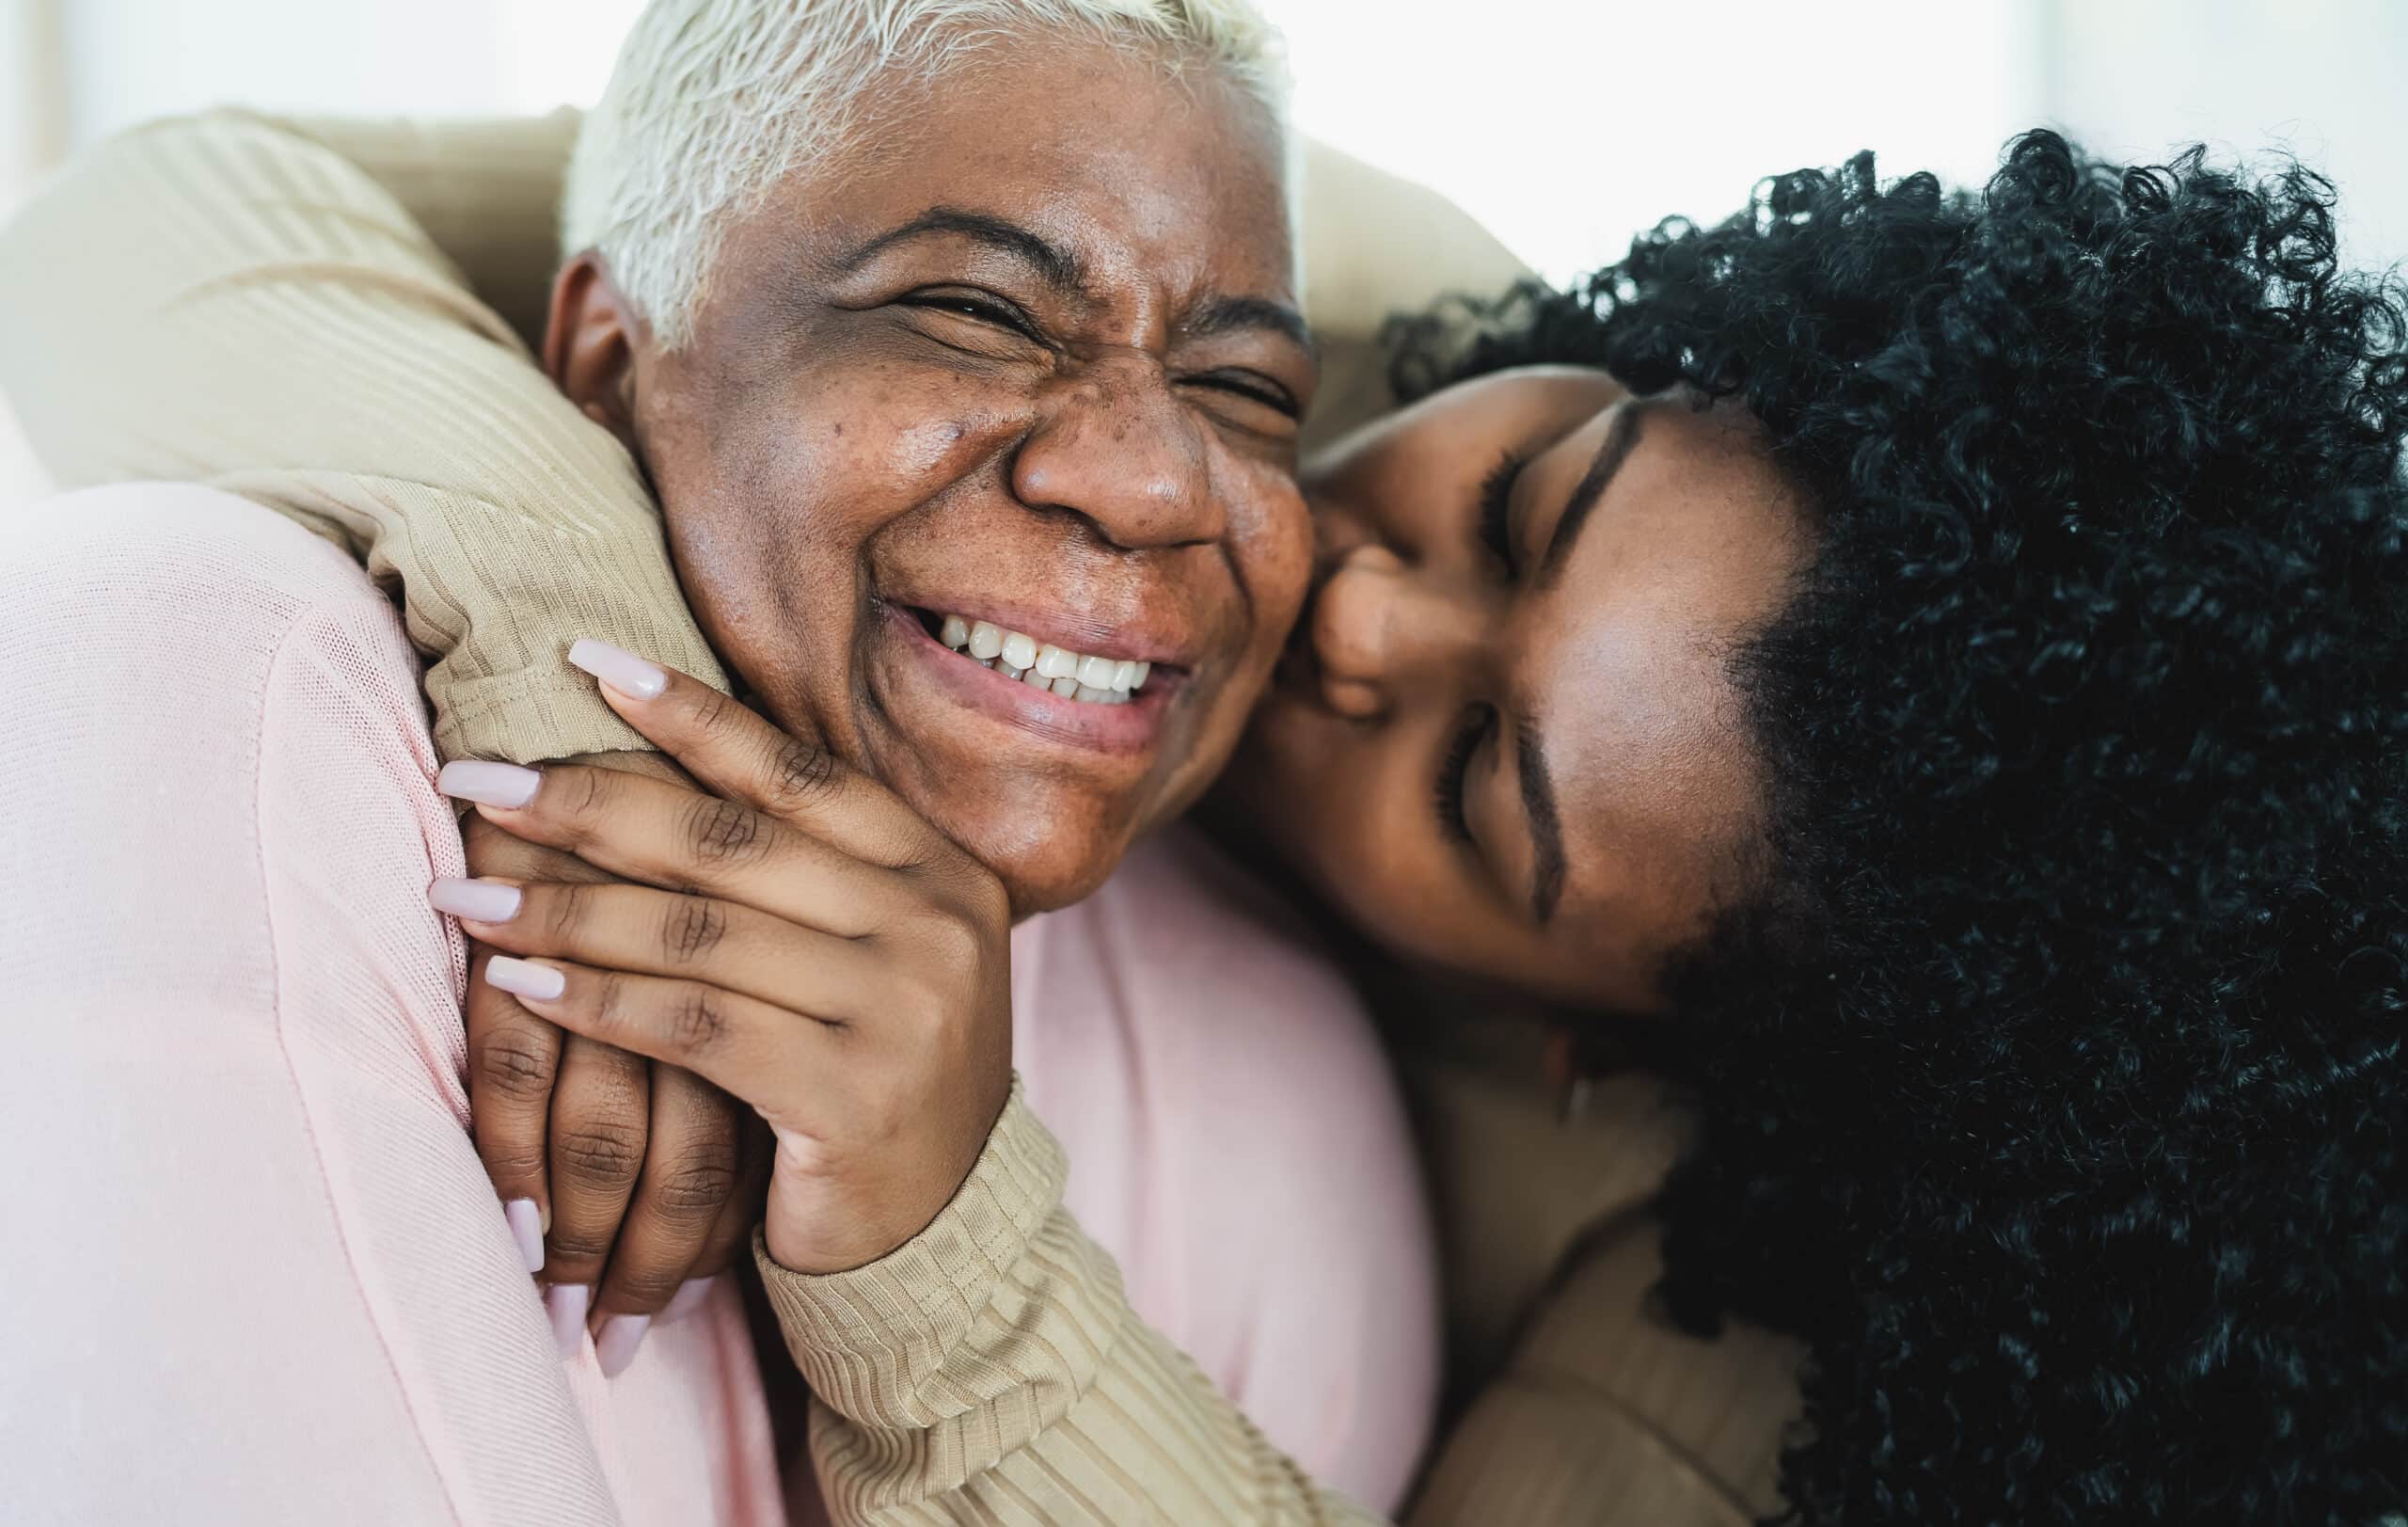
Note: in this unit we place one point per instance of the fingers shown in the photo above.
(514, 1059)
(739, 754)
(731, 1234)
(653, 932)
(600, 1126)
(664, 836)
(778, 1062)
(693, 1169)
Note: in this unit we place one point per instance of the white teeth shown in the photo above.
(1096, 681)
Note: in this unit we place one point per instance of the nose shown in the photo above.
(1117, 450)
(1385, 632)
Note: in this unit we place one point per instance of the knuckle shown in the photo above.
(699, 1020)
(589, 793)
(800, 772)
(716, 714)
(572, 1244)
(517, 1066)
(694, 928)
(700, 1186)
(723, 833)
(610, 1000)
(600, 1153)
(564, 907)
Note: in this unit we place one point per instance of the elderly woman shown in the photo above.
(1931, 665)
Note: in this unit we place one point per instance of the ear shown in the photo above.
(590, 346)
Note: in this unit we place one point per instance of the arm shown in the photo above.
(992, 1368)
(225, 300)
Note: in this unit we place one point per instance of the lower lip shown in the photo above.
(1131, 728)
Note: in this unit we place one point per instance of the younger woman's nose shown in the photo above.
(1381, 628)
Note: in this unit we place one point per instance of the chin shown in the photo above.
(1045, 859)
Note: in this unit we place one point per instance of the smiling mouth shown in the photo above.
(1091, 679)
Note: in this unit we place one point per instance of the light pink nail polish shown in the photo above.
(619, 668)
(474, 900)
(692, 1295)
(521, 978)
(616, 1346)
(526, 1229)
(487, 783)
(567, 1303)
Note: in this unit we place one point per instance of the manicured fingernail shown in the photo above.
(490, 783)
(566, 1303)
(619, 668)
(521, 978)
(692, 1295)
(526, 1229)
(616, 1346)
(476, 900)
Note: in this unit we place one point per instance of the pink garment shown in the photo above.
(251, 1268)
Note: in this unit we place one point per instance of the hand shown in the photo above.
(800, 937)
(623, 1181)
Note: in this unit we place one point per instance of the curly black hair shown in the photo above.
(2052, 1081)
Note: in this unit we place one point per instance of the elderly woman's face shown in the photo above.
(1027, 356)
(1506, 744)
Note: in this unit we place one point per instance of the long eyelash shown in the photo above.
(1496, 502)
(1448, 797)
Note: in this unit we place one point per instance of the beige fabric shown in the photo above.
(220, 300)
(281, 310)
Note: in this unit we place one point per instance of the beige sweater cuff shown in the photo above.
(881, 1345)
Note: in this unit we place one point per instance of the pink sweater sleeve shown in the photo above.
(255, 1272)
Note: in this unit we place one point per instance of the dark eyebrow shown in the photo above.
(1620, 436)
(1546, 829)
(1058, 267)
(1226, 315)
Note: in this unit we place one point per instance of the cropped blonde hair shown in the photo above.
(713, 103)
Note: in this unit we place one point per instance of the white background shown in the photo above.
(1566, 125)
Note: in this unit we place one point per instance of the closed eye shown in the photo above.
(1254, 386)
(975, 305)
(1449, 796)
(1495, 519)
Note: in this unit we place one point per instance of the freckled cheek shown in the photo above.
(1275, 558)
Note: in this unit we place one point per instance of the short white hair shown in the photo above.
(714, 102)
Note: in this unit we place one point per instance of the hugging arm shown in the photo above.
(805, 941)
(225, 299)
